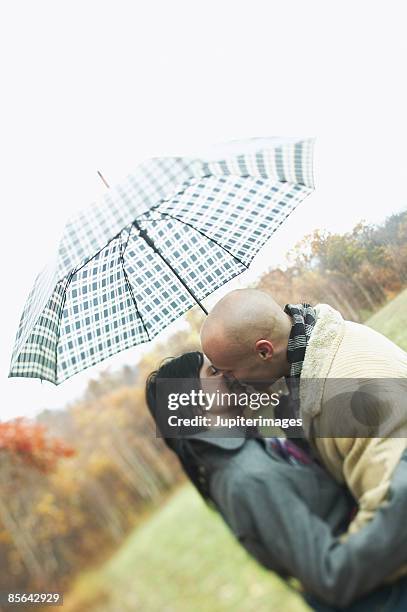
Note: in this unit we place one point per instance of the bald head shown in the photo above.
(239, 321)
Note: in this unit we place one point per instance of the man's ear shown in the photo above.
(264, 349)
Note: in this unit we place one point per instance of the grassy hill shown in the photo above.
(183, 558)
(391, 320)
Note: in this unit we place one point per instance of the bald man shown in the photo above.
(246, 336)
(249, 337)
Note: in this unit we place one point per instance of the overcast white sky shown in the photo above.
(103, 85)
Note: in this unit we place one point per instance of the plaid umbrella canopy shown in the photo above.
(173, 232)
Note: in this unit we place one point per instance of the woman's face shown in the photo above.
(213, 382)
(211, 376)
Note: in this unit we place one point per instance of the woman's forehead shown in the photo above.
(208, 363)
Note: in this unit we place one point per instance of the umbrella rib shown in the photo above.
(70, 277)
(207, 237)
(131, 288)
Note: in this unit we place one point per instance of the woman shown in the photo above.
(286, 512)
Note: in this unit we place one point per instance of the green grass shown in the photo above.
(183, 558)
(391, 320)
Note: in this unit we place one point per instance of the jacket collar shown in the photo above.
(222, 437)
(319, 355)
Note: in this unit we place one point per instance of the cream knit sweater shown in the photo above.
(341, 349)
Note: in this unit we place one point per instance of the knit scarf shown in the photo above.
(304, 317)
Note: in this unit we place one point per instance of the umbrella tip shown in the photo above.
(103, 179)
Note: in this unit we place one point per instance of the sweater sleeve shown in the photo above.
(281, 532)
(368, 466)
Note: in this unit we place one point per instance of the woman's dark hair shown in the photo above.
(182, 370)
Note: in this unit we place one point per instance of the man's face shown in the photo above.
(249, 369)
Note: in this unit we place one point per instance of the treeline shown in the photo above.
(54, 522)
(76, 481)
(356, 272)
(65, 504)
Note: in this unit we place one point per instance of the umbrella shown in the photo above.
(152, 247)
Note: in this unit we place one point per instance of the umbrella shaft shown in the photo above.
(150, 242)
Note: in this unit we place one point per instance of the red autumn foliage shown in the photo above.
(30, 442)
